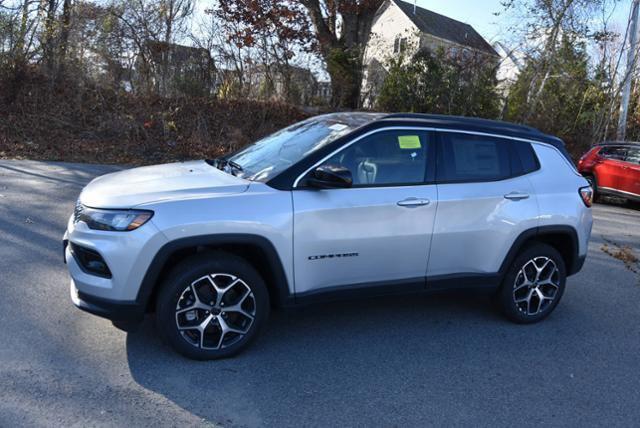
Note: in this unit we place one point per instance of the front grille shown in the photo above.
(77, 212)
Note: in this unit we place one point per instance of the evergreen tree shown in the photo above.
(441, 83)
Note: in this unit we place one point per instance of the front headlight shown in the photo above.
(112, 220)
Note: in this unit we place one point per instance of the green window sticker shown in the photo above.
(409, 142)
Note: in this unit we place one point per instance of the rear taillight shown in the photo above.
(586, 193)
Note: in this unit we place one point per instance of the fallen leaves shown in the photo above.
(624, 253)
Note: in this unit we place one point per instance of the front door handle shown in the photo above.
(414, 202)
(516, 196)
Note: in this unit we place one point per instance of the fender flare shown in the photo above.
(570, 231)
(158, 264)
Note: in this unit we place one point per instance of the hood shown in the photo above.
(138, 186)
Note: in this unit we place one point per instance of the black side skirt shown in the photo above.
(478, 282)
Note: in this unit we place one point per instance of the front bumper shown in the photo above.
(128, 256)
(116, 311)
(577, 265)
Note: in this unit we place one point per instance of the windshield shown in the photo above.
(273, 154)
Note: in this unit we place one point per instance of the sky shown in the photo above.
(477, 13)
(480, 14)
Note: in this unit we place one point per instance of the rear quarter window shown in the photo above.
(527, 157)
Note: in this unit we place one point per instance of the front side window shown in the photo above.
(469, 158)
(615, 153)
(385, 158)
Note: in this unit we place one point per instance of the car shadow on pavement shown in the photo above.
(406, 360)
(313, 356)
(57, 172)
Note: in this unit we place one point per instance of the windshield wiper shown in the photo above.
(214, 162)
(225, 165)
(235, 165)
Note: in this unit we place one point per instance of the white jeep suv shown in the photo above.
(345, 204)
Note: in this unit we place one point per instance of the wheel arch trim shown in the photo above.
(159, 261)
(538, 232)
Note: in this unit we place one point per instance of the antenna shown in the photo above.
(414, 6)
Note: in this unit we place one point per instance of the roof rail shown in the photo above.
(467, 120)
(618, 143)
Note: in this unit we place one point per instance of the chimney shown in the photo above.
(414, 6)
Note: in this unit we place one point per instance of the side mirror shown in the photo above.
(330, 177)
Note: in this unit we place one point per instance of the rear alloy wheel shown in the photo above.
(534, 285)
(212, 306)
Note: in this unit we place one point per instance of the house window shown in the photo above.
(399, 45)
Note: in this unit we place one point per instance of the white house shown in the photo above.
(400, 27)
(511, 64)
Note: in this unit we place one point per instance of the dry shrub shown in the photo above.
(80, 122)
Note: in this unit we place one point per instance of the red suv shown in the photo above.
(613, 169)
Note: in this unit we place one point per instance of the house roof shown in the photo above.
(179, 53)
(445, 28)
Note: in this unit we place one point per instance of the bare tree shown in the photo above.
(152, 26)
(545, 23)
(341, 30)
(65, 24)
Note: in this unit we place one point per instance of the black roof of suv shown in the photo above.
(459, 123)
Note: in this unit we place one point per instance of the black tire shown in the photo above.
(633, 204)
(201, 271)
(514, 284)
(594, 185)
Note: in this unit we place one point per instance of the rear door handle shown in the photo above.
(414, 202)
(516, 196)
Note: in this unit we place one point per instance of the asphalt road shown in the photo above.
(416, 361)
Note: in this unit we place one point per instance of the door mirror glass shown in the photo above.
(330, 177)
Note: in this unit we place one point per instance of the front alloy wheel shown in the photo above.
(212, 305)
(215, 311)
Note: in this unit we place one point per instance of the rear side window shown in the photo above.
(468, 158)
(633, 155)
